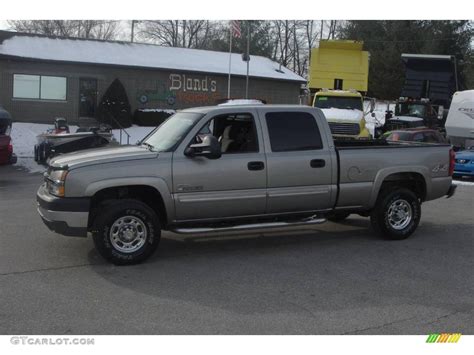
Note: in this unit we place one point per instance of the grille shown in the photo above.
(348, 129)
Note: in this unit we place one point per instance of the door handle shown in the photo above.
(317, 163)
(256, 165)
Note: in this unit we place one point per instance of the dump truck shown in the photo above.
(430, 82)
(338, 79)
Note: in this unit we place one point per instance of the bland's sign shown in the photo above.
(182, 82)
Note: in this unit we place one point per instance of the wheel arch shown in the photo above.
(156, 197)
(414, 179)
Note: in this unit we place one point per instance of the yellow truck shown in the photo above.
(338, 78)
(344, 111)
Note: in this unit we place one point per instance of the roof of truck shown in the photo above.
(339, 93)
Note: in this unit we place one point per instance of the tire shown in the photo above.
(396, 214)
(36, 156)
(338, 216)
(42, 154)
(126, 231)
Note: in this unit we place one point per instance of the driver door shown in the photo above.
(233, 185)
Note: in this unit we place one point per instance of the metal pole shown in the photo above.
(133, 31)
(248, 62)
(230, 60)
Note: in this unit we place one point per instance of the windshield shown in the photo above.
(414, 110)
(399, 136)
(167, 136)
(347, 103)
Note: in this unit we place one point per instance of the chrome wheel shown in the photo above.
(400, 214)
(128, 234)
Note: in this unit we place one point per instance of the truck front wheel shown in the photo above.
(126, 231)
(396, 214)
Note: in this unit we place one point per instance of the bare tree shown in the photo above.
(177, 33)
(100, 29)
(294, 41)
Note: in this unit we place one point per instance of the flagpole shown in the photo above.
(230, 60)
(248, 62)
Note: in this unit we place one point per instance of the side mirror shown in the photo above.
(209, 148)
(440, 113)
(372, 105)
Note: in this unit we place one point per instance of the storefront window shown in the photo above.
(26, 86)
(39, 87)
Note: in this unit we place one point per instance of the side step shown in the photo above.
(251, 227)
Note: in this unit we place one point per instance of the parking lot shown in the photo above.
(328, 279)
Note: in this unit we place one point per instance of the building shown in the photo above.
(42, 77)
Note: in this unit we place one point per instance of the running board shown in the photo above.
(250, 227)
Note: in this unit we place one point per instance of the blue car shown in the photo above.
(464, 163)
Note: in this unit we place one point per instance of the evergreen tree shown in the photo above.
(387, 40)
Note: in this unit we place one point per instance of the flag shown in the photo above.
(235, 28)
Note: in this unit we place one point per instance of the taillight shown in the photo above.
(10, 148)
(452, 161)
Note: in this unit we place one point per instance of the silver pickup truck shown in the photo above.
(236, 168)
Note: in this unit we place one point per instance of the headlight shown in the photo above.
(55, 182)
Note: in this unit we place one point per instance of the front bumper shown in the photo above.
(463, 170)
(63, 215)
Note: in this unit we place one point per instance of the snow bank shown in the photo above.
(464, 182)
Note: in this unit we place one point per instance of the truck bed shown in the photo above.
(362, 164)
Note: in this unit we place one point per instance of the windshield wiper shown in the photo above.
(150, 146)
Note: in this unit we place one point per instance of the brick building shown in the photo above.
(46, 77)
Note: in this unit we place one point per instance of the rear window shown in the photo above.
(292, 131)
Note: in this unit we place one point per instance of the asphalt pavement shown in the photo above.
(328, 279)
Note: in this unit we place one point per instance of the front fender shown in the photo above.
(158, 183)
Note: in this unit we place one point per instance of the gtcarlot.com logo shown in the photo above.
(30, 340)
(443, 338)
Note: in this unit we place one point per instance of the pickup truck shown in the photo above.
(238, 168)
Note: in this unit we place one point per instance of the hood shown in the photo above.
(342, 114)
(407, 118)
(102, 156)
(465, 154)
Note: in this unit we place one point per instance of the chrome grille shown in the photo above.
(348, 129)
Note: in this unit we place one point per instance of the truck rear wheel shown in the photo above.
(126, 231)
(396, 214)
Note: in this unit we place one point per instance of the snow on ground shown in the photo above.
(24, 139)
(464, 182)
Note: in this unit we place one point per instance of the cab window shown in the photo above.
(235, 132)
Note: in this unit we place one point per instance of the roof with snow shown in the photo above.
(74, 50)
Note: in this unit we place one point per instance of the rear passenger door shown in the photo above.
(300, 163)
